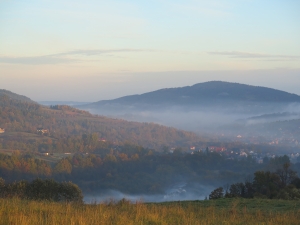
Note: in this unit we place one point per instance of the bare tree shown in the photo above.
(286, 174)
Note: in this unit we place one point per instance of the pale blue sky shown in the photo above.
(93, 50)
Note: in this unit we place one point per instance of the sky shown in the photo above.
(95, 50)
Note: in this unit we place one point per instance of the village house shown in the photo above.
(217, 149)
(42, 131)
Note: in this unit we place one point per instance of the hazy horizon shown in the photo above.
(134, 84)
(98, 50)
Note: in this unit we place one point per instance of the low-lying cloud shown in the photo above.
(37, 60)
(251, 55)
(65, 57)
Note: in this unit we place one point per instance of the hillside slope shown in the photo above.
(14, 96)
(65, 122)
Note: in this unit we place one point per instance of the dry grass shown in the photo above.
(21, 212)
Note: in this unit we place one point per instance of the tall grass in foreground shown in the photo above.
(22, 212)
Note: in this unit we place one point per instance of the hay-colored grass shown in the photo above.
(22, 212)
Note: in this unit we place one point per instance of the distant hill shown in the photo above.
(20, 114)
(202, 93)
(69, 103)
(14, 96)
(201, 107)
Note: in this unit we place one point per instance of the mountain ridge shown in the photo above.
(203, 92)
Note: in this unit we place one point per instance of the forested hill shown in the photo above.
(206, 92)
(20, 119)
(11, 95)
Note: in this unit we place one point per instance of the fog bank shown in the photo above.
(180, 192)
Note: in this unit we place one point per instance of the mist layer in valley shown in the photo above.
(218, 108)
(226, 120)
(179, 192)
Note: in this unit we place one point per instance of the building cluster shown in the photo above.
(237, 153)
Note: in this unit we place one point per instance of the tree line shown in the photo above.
(283, 183)
(116, 169)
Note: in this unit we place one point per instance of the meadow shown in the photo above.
(224, 211)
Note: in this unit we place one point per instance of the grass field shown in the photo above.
(227, 211)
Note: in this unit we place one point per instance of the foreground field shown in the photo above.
(227, 211)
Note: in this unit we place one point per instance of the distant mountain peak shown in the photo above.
(207, 91)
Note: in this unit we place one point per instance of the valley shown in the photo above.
(104, 154)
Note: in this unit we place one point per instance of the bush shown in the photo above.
(67, 191)
(40, 189)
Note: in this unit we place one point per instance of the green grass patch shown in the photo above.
(265, 205)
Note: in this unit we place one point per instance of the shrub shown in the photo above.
(39, 189)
